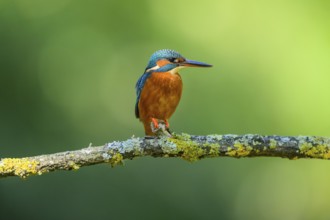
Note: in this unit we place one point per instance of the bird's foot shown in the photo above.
(167, 126)
(160, 128)
(155, 123)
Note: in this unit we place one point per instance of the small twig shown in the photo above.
(188, 147)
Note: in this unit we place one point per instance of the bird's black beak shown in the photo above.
(193, 63)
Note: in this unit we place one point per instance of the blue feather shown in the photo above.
(139, 86)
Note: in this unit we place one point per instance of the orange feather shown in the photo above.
(159, 98)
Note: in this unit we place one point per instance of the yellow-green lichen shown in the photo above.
(190, 149)
(213, 149)
(116, 159)
(272, 143)
(319, 151)
(21, 167)
(73, 165)
(239, 150)
(183, 136)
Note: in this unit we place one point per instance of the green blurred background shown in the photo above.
(67, 75)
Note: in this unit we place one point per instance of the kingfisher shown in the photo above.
(159, 89)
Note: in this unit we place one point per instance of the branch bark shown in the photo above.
(187, 147)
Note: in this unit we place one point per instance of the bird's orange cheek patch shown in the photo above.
(162, 62)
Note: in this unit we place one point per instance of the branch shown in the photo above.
(187, 147)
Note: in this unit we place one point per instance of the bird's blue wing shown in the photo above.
(139, 86)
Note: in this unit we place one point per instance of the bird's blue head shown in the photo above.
(169, 60)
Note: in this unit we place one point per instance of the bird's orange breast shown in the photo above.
(160, 96)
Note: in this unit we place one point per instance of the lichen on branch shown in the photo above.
(188, 147)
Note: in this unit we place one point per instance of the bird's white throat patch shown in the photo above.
(172, 71)
(153, 68)
(176, 69)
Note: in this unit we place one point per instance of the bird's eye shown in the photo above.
(173, 60)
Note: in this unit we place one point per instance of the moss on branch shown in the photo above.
(188, 147)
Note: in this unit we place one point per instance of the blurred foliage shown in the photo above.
(67, 74)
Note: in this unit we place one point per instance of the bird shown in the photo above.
(159, 89)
